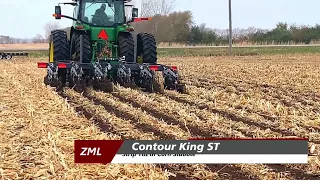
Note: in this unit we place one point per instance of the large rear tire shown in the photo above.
(75, 47)
(146, 48)
(58, 46)
(126, 46)
(58, 51)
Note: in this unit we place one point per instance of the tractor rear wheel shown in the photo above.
(126, 46)
(58, 51)
(58, 46)
(146, 48)
(75, 47)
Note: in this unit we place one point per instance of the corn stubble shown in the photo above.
(262, 96)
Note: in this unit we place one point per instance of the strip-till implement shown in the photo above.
(9, 55)
(100, 52)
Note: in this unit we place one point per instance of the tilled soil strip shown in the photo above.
(249, 118)
(129, 130)
(225, 127)
(235, 172)
(38, 130)
(184, 118)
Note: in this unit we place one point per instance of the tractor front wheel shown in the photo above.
(146, 48)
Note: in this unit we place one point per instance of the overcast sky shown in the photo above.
(26, 18)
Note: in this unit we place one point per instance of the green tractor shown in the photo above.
(99, 50)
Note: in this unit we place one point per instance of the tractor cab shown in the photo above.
(101, 13)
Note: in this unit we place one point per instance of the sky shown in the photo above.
(26, 18)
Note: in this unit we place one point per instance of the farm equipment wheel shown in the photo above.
(146, 48)
(126, 46)
(58, 46)
(75, 47)
(158, 82)
(8, 57)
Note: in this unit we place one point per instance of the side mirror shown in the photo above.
(135, 12)
(57, 12)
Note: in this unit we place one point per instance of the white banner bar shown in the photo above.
(213, 159)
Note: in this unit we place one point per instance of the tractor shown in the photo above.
(99, 50)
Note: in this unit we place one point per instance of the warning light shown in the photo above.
(62, 66)
(42, 65)
(103, 35)
(154, 68)
(142, 19)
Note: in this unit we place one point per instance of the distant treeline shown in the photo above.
(178, 27)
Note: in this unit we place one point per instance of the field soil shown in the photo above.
(256, 96)
(21, 47)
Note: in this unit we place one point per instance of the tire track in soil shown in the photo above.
(122, 115)
(262, 113)
(296, 173)
(195, 131)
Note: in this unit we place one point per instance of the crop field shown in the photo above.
(243, 96)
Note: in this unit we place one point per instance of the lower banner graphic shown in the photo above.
(208, 151)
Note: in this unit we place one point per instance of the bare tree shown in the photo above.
(24, 41)
(38, 39)
(150, 8)
(49, 27)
